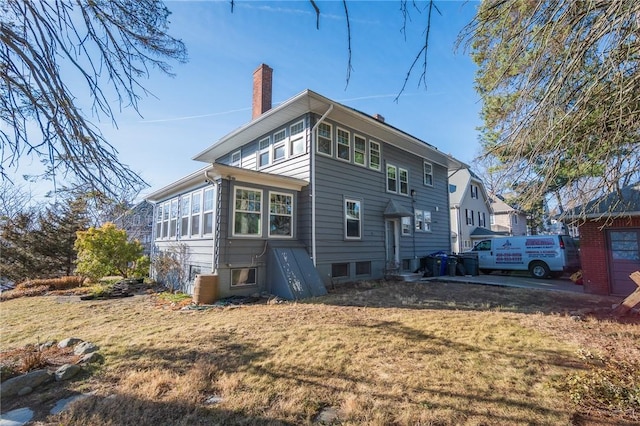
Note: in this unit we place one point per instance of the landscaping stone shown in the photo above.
(25, 391)
(16, 417)
(71, 341)
(89, 358)
(47, 345)
(32, 379)
(63, 404)
(84, 348)
(67, 371)
(327, 416)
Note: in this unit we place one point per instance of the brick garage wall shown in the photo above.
(593, 253)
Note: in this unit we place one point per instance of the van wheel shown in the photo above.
(539, 270)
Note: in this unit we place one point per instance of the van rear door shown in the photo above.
(569, 249)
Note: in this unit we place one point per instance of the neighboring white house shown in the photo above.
(469, 210)
(505, 219)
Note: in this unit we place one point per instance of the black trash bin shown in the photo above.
(452, 263)
(432, 265)
(470, 263)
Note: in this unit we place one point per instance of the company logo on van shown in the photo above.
(506, 244)
(538, 242)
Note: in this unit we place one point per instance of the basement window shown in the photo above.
(339, 270)
(243, 277)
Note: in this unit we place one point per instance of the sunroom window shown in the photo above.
(247, 212)
(280, 214)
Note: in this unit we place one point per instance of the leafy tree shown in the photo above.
(106, 251)
(49, 47)
(560, 81)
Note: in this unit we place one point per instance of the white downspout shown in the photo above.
(209, 179)
(313, 183)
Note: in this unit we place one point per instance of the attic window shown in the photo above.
(428, 174)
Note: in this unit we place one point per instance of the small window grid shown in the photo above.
(343, 150)
(247, 212)
(352, 219)
(422, 221)
(185, 210)
(428, 173)
(359, 150)
(403, 174)
(406, 226)
(264, 155)
(207, 211)
(196, 209)
(279, 145)
(324, 139)
(236, 159)
(280, 215)
(392, 178)
(374, 155)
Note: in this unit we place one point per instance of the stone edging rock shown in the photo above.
(26, 383)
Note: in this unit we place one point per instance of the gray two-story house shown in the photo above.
(307, 194)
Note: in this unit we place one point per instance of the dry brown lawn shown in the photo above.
(374, 354)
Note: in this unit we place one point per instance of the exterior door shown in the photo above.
(624, 258)
(392, 242)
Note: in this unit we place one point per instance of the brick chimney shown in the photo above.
(262, 78)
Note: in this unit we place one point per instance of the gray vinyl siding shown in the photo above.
(336, 180)
(296, 166)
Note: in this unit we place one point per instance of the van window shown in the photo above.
(483, 246)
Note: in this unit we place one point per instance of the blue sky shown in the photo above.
(211, 95)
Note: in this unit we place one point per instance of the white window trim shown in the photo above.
(379, 150)
(294, 137)
(360, 218)
(291, 216)
(238, 162)
(364, 153)
(317, 148)
(199, 214)
(185, 213)
(424, 173)
(212, 211)
(405, 231)
(255, 274)
(279, 144)
(425, 215)
(348, 145)
(261, 151)
(233, 217)
(400, 170)
(397, 180)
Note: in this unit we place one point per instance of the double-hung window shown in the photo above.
(165, 219)
(279, 145)
(236, 159)
(428, 173)
(247, 212)
(263, 152)
(207, 211)
(344, 145)
(280, 214)
(404, 181)
(474, 191)
(196, 208)
(324, 139)
(352, 219)
(423, 221)
(374, 155)
(173, 224)
(406, 225)
(159, 221)
(359, 150)
(296, 139)
(392, 178)
(185, 211)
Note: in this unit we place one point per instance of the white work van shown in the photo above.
(541, 255)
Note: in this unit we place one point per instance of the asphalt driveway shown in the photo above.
(514, 280)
